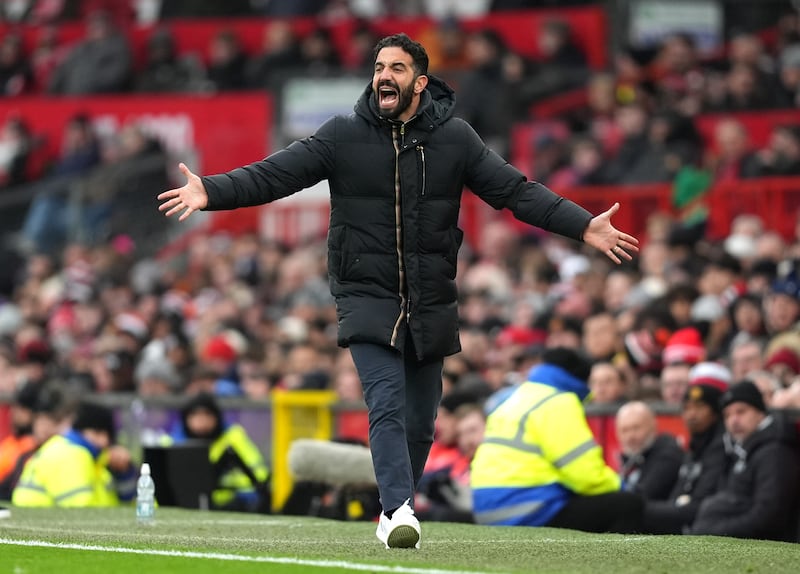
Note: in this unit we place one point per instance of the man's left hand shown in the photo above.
(604, 237)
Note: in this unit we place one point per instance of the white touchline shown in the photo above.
(235, 557)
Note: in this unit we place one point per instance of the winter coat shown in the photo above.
(759, 498)
(653, 472)
(698, 478)
(396, 191)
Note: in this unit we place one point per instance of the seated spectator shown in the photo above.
(80, 468)
(52, 415)
(242, 482)
(759, 498)
(781, 157)
(21, 439)
(318, 55)
(601, 337)
(650, 461)
(789, 75)
(133, 163)
(732, 158)
(46, 224)
(561, 65)
(586, 166)
(167, 71)
(227, 62)
(607, 385)
(278, 57)
(704, 462)
(156, 377)
(101, 63)
(444, 494)
(673, 381)
(527, 473)
(16, 145)
(782, 300)
(16, 77)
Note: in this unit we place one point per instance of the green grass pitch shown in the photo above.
(105, 541)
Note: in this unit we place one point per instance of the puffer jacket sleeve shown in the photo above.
(501, 185)
(296, 167)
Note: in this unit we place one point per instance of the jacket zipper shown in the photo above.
(422, 157)
(398, 215)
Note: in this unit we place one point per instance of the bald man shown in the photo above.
(650, 461)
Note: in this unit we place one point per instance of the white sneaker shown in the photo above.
(5, 512)
(401, 530)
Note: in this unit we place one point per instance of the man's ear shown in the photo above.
(420, 83)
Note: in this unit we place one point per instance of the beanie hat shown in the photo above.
(516, 335)
(684, 346)
(707, 383)
(572, 361)
(96, 417)
(787, 281)
(218, 348)
(643, 351)
(744, 392)
(784, 356)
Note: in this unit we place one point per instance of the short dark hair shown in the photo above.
(414, 49)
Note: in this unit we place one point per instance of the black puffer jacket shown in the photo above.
(759, 498)
(395, 197)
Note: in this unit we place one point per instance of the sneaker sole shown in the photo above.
(403, 537)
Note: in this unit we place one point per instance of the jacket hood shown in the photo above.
(436, 105)
(558, 378)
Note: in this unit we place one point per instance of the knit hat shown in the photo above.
(525, 336)
(783, 356)
(684, 346)
(643, 351)
(218, 348)
(707, 383)
(744, 392)
(96, 417)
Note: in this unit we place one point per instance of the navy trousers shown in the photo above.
(402, 396)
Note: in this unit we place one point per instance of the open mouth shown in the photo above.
(388, 96)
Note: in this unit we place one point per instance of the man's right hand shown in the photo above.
(189, 198)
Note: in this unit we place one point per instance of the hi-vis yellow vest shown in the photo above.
(538, 450)
(63, 473)
(235, 482)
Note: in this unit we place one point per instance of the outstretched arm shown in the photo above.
(189, 198)
(606, 238)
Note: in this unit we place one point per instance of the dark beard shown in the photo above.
(404, 98)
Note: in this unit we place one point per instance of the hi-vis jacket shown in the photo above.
(233, 482)
(69, 472)
(537, 452)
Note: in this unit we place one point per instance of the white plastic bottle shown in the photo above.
(145, 496)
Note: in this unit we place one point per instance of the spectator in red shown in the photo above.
(733, 157)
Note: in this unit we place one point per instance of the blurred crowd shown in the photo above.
(239, 315)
